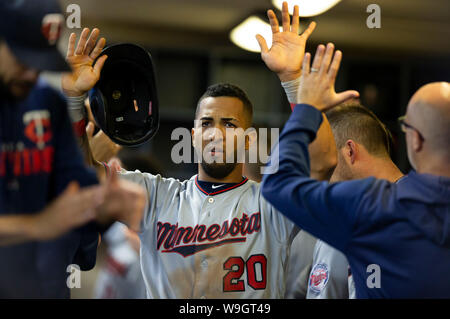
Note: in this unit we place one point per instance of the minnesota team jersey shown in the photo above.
(299, 265)
(330, 276)
(227, 244)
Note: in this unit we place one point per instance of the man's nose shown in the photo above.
(214, 134)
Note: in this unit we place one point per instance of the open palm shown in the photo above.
(84, 73)
(288, 48)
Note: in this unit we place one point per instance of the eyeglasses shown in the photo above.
(404, 126)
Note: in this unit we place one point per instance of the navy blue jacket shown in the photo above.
(38, 158)
(404, 228)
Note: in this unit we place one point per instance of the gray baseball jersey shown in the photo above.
(228, 244)
(120, 275)
(299, 265)
(330, 277)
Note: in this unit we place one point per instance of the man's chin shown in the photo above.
(218, 170)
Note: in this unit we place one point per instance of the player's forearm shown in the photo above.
(16, 229)
(323, 154)
(280, 188)
(77, 112)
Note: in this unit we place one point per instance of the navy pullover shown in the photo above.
(38, 158)
(401, 229)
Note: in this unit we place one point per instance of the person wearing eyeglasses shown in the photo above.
(396, 236)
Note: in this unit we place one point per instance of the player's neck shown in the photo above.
(234, 177)
(382, 168)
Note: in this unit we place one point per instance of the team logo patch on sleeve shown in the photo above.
(318, 278)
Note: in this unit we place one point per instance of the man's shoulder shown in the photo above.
(143, 177)
(45, 95)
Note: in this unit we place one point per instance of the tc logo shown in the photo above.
(51, 27)
(374, 279)
(318, 278)
(74, 279)
(38, 127)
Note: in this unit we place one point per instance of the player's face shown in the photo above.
(214, 117)
(16, 77)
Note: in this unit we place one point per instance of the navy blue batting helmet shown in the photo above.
(124, 102)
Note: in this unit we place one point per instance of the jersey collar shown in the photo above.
(230, 187)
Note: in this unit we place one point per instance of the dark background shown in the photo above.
(189, 41)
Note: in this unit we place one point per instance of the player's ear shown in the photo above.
(193, 136)
(417, 142)
(351, 150)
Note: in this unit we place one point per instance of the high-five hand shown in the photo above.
(317, 82)
(124, 201)
(288, 47)
(84, 74)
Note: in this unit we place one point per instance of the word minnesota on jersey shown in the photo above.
(187, 241)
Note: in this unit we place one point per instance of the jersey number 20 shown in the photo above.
(235, 265)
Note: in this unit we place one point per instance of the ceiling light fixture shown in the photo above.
(244, 34)
(307, 8)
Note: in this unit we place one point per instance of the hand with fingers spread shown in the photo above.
(288, 47)
(84, 74)
(317, 82)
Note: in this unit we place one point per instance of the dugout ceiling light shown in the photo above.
(243, 35)
(307, 8)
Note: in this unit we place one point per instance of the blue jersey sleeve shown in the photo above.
(327, 211)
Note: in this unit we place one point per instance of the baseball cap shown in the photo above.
(31, 29)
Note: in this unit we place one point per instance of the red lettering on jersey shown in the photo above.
(26, 161)
(170, 236)
(16, 167)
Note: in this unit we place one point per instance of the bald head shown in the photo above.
(429, 112)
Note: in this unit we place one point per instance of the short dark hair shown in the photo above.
(228, 90)
(354, 121)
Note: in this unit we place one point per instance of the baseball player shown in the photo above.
(120, 277)
(214, 236)
(391, 233)
(41, 163)
(363, 143)
(286, 54)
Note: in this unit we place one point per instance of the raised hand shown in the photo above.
(317, 82)
(288, 47)
(84, 74)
